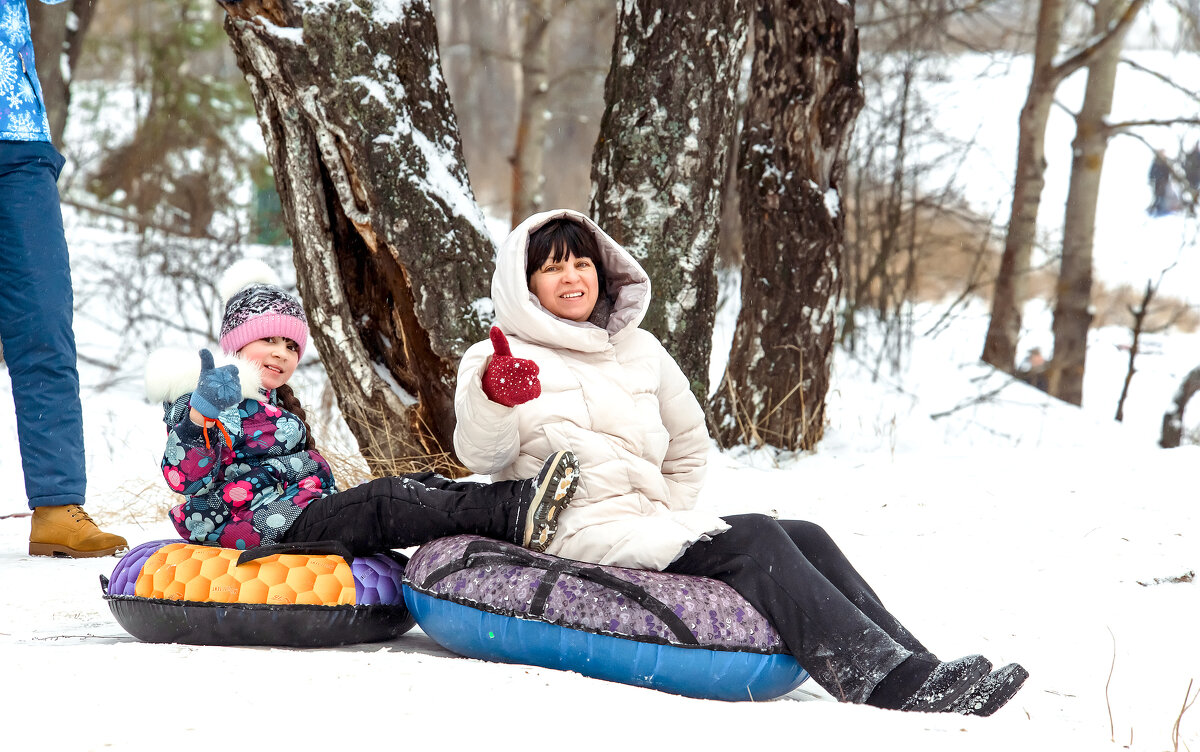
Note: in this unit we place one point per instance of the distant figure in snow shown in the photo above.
(1033, 370)
(1166, 200)
(37, 308)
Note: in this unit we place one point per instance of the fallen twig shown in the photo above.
(1187, 703)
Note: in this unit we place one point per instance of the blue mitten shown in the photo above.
(218, 388)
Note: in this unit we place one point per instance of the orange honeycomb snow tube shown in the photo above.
(172, 591)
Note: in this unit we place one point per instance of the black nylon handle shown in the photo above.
(481, 553)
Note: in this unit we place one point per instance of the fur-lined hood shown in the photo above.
(172, 372)
(520, 314)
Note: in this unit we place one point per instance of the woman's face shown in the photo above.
(278, 357)
(567, 288)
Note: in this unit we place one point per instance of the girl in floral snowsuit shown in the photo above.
(240, 452)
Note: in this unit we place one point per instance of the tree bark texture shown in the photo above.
(660, 160)
(1011, 289)
(804, 98)
(528, 155)
(392, 256)
(58, 32)
(1072, 308)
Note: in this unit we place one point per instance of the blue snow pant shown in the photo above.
(829, 618)
(36, 305)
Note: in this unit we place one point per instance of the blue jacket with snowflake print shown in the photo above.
(22, 114)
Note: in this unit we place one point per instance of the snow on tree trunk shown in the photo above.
(1011, 289)
(1072, 311)
(804, 98)
(392, 256)
(528, 178)
(660, 160)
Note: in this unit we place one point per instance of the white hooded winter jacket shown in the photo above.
(613, 396)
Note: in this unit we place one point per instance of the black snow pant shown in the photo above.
(410, 510)
(829, 618)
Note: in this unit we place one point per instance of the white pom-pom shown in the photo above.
(243, 273)
(171, 372)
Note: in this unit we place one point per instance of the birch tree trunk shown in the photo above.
(528, 178)
(1072, 310)
(660, 160)
(392, 256)
(1011, 288)
(804, 98)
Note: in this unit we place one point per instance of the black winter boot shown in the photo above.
(948, 682)
(549, 493)
(992, 691)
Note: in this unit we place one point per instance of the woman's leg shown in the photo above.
(403, 511)
(820, 550)
(843, 649)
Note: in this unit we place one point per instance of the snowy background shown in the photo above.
(989, 517)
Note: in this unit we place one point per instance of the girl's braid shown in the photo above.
(290, 402)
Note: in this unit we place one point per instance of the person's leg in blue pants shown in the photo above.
(39, 348)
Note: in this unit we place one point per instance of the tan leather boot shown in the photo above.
(69, 531)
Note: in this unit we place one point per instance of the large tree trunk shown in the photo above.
(1011, 289)
(528, 180)
(391, 252)
(1072, 310)
(58, 32)
(804, 98)
(659, 163)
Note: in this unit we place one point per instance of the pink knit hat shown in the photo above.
(257, 307)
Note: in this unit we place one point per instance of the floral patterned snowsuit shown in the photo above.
(246, 492)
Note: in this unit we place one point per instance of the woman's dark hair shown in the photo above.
(558, 238)
(290, 402)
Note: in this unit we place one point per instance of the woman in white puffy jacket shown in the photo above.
(579, 373)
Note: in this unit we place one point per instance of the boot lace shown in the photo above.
(79, 515)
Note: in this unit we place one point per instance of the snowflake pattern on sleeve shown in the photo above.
(22, 114)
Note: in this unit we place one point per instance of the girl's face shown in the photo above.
(567, 288)
(278, 357)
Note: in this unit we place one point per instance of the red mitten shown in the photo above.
(508, 380)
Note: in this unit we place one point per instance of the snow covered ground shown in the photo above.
(1014, 527)
(990, 518)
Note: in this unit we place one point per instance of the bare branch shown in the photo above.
(1098, 45)
(1163, 78)
(1119, 128)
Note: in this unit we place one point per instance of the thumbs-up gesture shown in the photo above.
(218, 388)
(508, 380)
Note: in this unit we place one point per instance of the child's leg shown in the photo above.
(400, 512)
(841, 647)
(405, 511)
(816, 546)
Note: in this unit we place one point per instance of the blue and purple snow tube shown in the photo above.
(686, 635)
